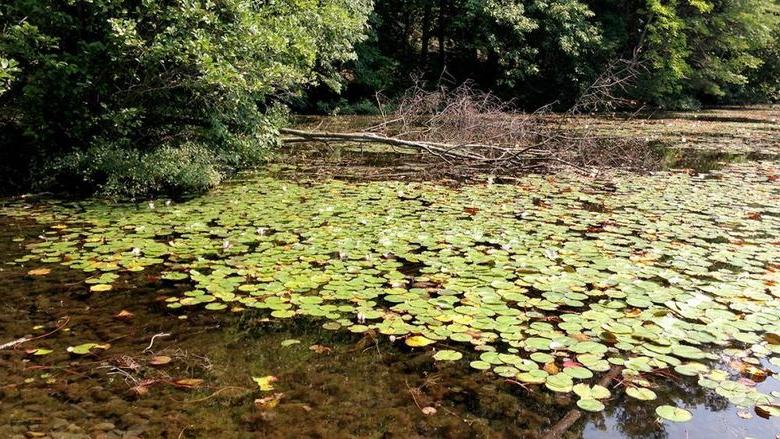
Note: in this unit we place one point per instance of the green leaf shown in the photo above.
(447, 355)
(674, 414)
(641, 393)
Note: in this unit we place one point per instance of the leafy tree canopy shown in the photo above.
(158, 95)
(541, 51)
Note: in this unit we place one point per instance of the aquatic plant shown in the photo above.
(552, 281)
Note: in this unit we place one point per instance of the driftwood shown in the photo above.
(574, 415)
(477, 152)
(464, 127)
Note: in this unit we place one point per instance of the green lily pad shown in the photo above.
(672, 413)
(590, 405)
(447, 355)
(290, 342)
(87, 348)
(641, 393)
(480, 365)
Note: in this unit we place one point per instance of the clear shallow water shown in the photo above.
(365, 386)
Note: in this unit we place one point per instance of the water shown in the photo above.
(333, 384)
(358, 386)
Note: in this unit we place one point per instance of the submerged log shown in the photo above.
(574, 415)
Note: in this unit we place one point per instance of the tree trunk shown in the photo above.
(443, 4)
(426, 36)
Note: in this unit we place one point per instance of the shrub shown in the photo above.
(146, 96)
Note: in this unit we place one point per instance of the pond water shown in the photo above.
(319, 308)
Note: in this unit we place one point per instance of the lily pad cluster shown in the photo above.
(550, 281)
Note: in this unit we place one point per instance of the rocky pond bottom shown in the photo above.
(278, 308)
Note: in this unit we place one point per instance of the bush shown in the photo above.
(140, 97)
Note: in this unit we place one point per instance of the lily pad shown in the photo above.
(447, 355)
(87, 348)
(672, 413)
(641, 393)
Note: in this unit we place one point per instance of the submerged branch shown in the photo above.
(574, 415)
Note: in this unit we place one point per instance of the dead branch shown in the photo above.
(475, 131)
(13, 344)
(468, 151)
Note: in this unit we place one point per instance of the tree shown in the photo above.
(542, 51)
(143, 96)
(695, 50)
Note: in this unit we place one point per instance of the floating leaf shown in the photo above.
(265, 383)
(579, 373)
(641, 393)
(418, 341)
(269, 402)
(480, 365)
(672, 413)
(290, 342)
(39, 272)
(585, 391)
(559, 383)
(87, 348)
(590, 405)
(766, 411)
(39, 352)
(160, 360)
(447, 355)
(188, 383)
(533, 377)
(99, 288)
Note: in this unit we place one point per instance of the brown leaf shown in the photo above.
(634, 312)
(772, 338)
(39, 272)
(551, 368)
(140, 390)
(738, 366)
(764, 411)
(320, 349)
(269, 402)
(188, 383)
(428, 411)
(580, 337)
(160, 360)
(124, 315)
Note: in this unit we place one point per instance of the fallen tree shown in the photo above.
(467, 151)
(466, 128)
(476, 130)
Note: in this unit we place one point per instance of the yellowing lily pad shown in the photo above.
(265, 383)
(418, 341)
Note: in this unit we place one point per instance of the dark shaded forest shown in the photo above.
(538, 52)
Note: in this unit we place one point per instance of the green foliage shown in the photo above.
(698, 49)
(8, 70)
(143, 96)
(505, 45)
(540, 51)
(549, 293)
